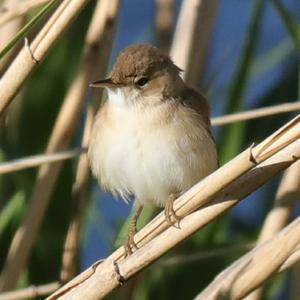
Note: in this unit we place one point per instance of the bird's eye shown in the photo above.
(142, 81)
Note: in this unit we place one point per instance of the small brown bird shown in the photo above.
(151, 138)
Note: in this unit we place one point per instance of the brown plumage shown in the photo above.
(141, 59)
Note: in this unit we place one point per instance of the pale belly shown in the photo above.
(150, 163)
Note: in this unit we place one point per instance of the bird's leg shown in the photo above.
(130, 244)
(169, 210)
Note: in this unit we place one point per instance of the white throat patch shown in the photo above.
(123, 97)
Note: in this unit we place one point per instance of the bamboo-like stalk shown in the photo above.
(256, 113)
(60, 139)
(157, 237)
(26, 60)
(107, 12)
(9, 30)
(46, 289)
(71, 248)
(31, 292)
(250, 271)
(37, 160)
(288, 192)
(193, 30)
(291, 260)
(20, 10)
(165, 16)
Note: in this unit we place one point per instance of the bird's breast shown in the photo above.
(150, 153)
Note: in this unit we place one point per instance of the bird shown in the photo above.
(151, 138)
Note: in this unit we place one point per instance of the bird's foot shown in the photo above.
(130, 244)
(170, 212)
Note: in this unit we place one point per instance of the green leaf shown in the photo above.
(24, 31)
(291, 24)
(266, 61)
(232, 135)
(13, 208)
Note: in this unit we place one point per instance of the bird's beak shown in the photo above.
(105, 83)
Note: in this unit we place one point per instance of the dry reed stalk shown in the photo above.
(106, 12)
(256, 113)
(20, 10)
(291, 260)
(37, 160)
(8, 31)
(60, 138)
(31, 292)
(250, 271)
(157, 237)
(71, 248)
(46, 289)
(165, 15)
(288, 192)
(26, 60)
(194, 14)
